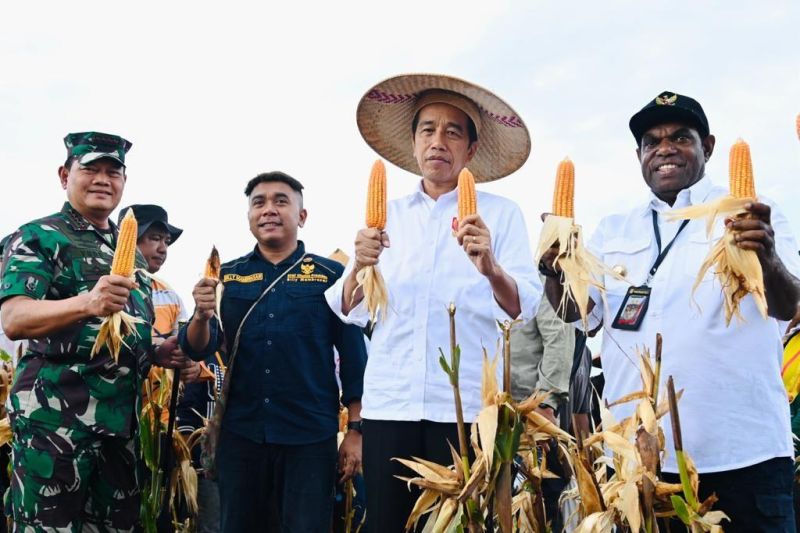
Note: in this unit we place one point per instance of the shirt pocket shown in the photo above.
(628, 257)
(306, 309)
(695, 252)
(237, 298)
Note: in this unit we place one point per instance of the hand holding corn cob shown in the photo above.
(212, 272)
(736, 267)
(579, 267)
(118, 323)
(376, 296)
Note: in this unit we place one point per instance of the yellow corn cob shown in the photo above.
(797, 125)
(376, 197)
(212, 264)
(741, 171)
(467, 198)
(125, 253)
(564, 192)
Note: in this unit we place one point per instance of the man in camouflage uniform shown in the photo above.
(74, 416)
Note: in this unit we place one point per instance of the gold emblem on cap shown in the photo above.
(666, 99)
(620, 270)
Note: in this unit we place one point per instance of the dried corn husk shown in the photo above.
(213, 271)
(581, 269)
(738, 271)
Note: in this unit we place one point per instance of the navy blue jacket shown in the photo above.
(284, 388)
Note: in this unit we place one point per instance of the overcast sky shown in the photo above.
(211, 94)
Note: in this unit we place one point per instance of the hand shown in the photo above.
(350, 455)
(370, 242)
(548, 412)
(474, 237)
(191, 374)
(109, 295)
(755, 232)
(205, 299)
(169, 355)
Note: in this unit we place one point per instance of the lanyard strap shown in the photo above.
(662, 253)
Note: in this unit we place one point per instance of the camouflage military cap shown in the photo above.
(90, 146)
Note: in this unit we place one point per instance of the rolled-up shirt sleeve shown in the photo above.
(513, 252)
(358, 315)
(214, 342)
(352, 350)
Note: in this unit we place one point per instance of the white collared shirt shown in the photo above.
(734, 411)
(425, 269)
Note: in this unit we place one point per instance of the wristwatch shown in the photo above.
(355, 426)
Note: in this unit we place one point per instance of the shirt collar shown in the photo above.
(297, 254)
(419, 194)
(696, 194)
(79, 223)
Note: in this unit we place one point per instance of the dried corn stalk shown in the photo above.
(738, 271)
(369, 278)
(115, 327)
(212, 271)
(581, 270)
(634, 495)
(461, 495)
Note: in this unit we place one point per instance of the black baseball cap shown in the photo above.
(669, 107)
(149, 214)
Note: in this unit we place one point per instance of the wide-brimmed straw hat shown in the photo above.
(386, 111)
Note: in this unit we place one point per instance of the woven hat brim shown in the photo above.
(385, 113)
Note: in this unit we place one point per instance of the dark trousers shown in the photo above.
(389, 502)
(758, 498)
(263, 484)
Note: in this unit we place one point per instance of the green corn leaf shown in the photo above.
(681, 509)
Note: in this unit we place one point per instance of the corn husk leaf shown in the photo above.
(113, 330)
(376, 296)
(737, 271)
(424, 504)
(580, 268)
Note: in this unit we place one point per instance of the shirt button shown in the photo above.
(273, 290)
(269, 343)
(271, 315)
(267, 371)
(266, 400)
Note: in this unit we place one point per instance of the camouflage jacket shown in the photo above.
(57, 384)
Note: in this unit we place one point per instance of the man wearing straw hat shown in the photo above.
(434, 126)
(734, 414)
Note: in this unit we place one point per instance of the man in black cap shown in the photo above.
(734, 414)
(155, 236)
(73, 414)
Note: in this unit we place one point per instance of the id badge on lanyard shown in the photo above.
(634, 305)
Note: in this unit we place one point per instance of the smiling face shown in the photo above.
(275, 214)
(154, 244)
(441, 144)
(94, 189)
(673, 158)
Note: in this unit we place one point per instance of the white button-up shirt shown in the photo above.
(425, 269)
(734, 411)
